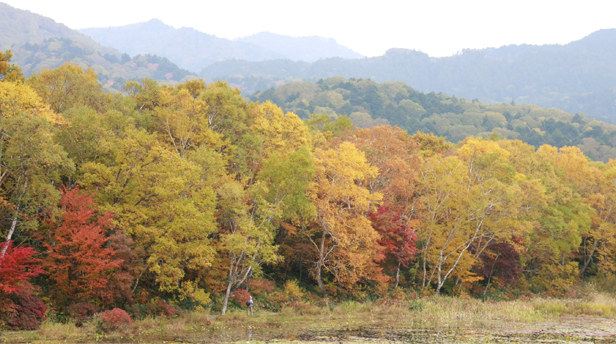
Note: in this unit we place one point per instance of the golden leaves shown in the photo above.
(18, 98)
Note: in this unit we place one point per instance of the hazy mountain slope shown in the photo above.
(368, 103)
(579, 76)
(38, 42)
(308, 49)
(187, 47)
(18, 27)
(113, 71)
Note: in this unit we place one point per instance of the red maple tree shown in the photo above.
(77, 260)
(397, 238)
(17, 266)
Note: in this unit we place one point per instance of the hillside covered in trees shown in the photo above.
(368, 103)
(575, 77)
(38, 42)
(187, 196)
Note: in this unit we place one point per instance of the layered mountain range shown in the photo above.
(38, 42)
(194, 50)
(575, 77)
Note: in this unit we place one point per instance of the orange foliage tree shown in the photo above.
(77, 261)
(396, 156)
(345, 242)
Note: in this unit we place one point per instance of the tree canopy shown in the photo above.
(189, 196)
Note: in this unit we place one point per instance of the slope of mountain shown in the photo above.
(113, 71)
(195, 50)
(368, 103)
(38, 42)
(579, 76)
(18, 27)
(308, 49)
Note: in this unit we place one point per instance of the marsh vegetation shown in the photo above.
(428, 319)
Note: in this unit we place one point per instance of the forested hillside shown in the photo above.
(113, 70)
(186, 197)
(18, 27)
(579, 76)
(368, 103)
(194, 50)
(38, 42)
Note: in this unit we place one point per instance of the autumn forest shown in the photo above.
(189, 197)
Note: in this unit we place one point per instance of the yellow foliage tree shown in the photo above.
(559, 215)
(471, 200)
(9, 72)
(159, 199)
(274, 189)
(345, 242)
(599, 244)
(18, 98)
(182, 121)
(69, 86)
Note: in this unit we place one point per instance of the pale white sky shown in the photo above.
(439, 28)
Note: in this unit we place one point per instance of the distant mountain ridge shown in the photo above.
(307, 49)
(39, 42)
(187, 47)
(576, 77)
(194, 50)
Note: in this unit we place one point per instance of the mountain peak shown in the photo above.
(155, 22)
(600, 42)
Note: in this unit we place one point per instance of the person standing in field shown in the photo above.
(250, 305)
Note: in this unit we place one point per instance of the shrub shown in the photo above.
(279, 298)
(166, 309)
(293, 290)
(153, 308)
(81, 312)
(114, 319)
(261, 287)
(301, 307)
(241, 296)
(24, 310)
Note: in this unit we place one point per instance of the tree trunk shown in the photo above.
(439, 285)
(10, 235)
(320, 267)
(320, 280)
(397, 277)
(588, 259)
(226, 301)
(425, 268)
(228, 292)
(441, 280)
(300, 267)
(490, 277)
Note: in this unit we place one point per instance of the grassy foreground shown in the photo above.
(428, 320)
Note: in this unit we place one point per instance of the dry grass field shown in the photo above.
(427, 320)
